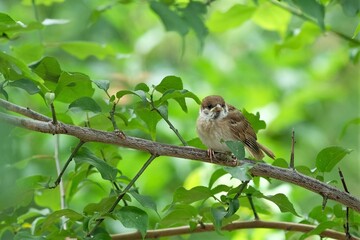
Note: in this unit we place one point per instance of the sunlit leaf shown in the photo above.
(85, 104)
(271, 17)
(233, 17)
(41, 2)
(133, 217)
(84, 155)
(327, 158)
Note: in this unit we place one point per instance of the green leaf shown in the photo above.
(218, 215)
(85, 104)
(151, 119)
(29, 53)
(72, 86)
(237, 148)
(355, 121)
(133, 217)
(216, 175)
(280, 162)
(140, 93)
(101, 207)
(171, 19)
(350, 7)
(41, 2)
(240, 172)
(25, 84)
(142, 86)
(48, 69)
(145, 201)
(56, 217)
(169, 83)
(195, 194)
(313, 9)
(233, 17)
(192, 15)
(271, 17)
(83, 50)
(179, 214)
(103, 84)
(254, 120)
(196, 142)
(329, 157)
(20, 68)
(320, 228)
(179, 96)
(234, 205)
(84, 155)
(24, 234)
(282, 202)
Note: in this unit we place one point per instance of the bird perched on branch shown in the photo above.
(219, 122)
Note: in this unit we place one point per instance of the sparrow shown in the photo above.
(219, 122)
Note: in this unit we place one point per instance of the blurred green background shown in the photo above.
(295, 75)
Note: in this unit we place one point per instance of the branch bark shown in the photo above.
(176, 231)
(190, 153)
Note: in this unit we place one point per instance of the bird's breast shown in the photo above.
(212, 132)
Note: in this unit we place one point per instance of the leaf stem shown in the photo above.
(58, 180)
(122, 194)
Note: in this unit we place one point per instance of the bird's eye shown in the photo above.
(209, 106)
(223, 105)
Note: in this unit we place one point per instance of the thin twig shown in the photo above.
(206, 227)
(57, 181)
(346, 225)
(122, 194)
(23, 111)
(305, 17)
(256, 216)
(167, 120)
(61, 185)
(54, 120)
(292, 155)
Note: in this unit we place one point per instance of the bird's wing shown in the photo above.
(242, 130)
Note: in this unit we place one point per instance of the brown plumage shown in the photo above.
(220, 121)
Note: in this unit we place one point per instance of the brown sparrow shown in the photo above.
(219, 122)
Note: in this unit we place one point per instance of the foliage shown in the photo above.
(294, 63)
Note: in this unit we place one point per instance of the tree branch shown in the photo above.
(232, 226)
(161, 149)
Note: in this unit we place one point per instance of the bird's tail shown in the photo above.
(267, 151)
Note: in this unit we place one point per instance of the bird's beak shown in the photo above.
(217, 108)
